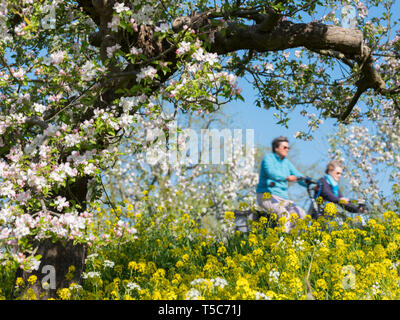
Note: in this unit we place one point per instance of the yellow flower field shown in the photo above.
(176, 257)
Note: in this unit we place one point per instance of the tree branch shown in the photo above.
(337, 55)
(269, 34)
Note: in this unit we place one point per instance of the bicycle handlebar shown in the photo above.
(307, 180)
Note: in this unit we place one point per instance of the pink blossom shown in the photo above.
(183, 48)
(146, 72)
(61, 203)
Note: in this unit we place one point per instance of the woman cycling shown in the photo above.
(329, 189)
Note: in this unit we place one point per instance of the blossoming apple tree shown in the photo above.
(371, 157)
(76, 74)
(178, 176)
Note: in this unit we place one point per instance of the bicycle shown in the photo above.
(242, 218)
(316, 210)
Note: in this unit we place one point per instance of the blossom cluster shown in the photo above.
(370, 154)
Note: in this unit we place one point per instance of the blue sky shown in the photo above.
(248, 116)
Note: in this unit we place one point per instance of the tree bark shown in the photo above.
(62, 263)
(57, 257)
(286, 35)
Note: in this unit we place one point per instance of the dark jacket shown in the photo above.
(326, 192)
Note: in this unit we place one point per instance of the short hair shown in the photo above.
(277, 141)
(332, 165)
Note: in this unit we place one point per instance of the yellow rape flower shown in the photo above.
(157, 295)
(388, 215)
(379, 251)
(221, 250)
(114, 294)
(64, 294)
(321, 284)
(242, 283)
(392, 247)
(349, 295)
(132, 265)
(32, 279)
(266, 196)
(229, 215)
(159, 274)
(30, 295)
(263, 220)
(320, 200)
(330, 209)
(252, 239)
(20, 282)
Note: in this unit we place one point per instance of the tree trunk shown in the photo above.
(62, 263)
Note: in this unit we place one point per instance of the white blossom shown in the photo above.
(57, 57)
(120, 7)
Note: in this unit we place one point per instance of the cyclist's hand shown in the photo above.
(291, 178)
